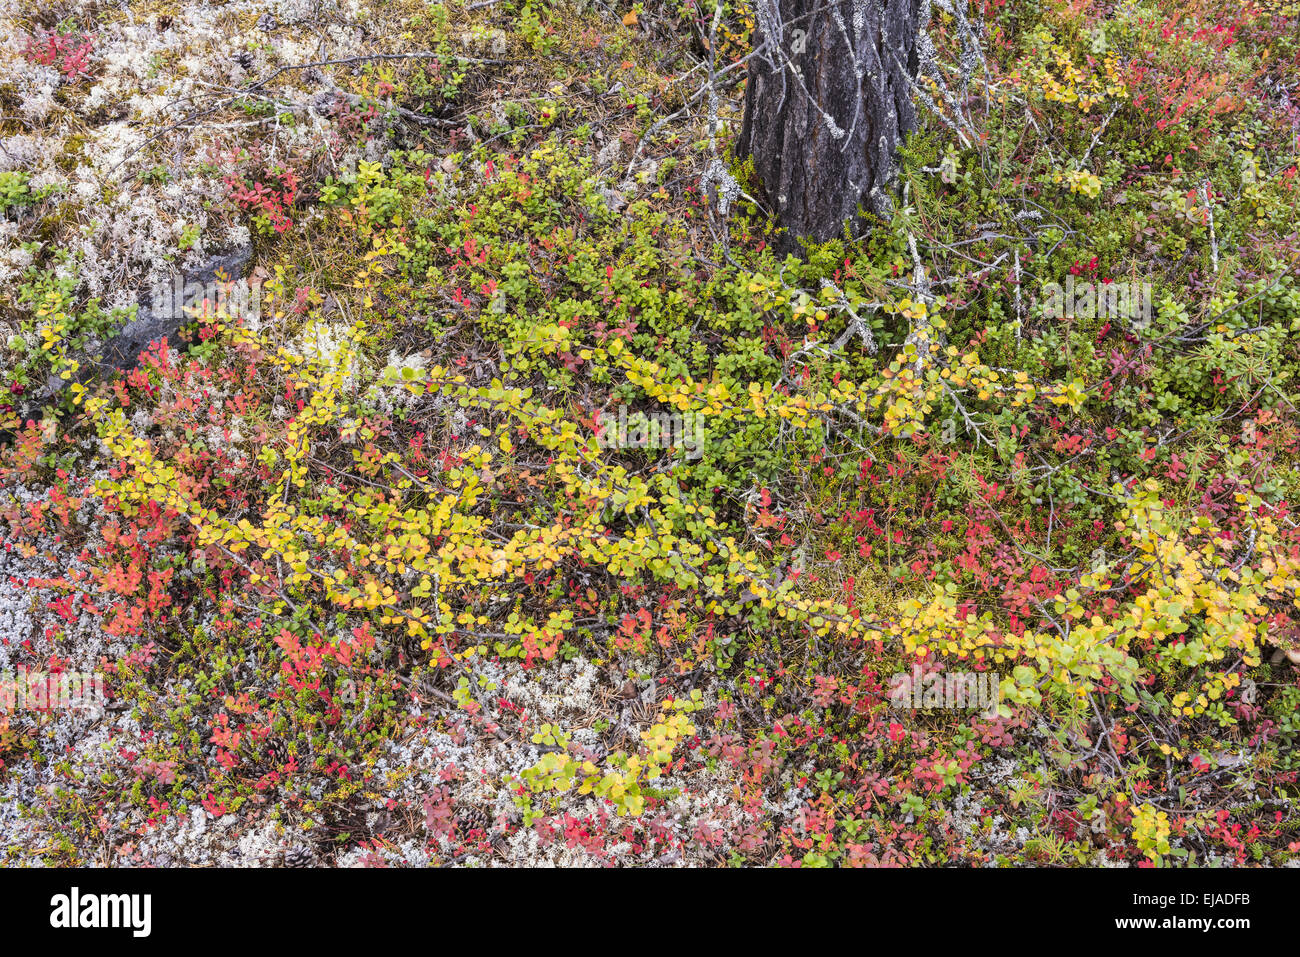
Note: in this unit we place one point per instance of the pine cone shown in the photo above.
(299, 856)
(473, 818)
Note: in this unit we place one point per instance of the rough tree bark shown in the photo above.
(829, 99)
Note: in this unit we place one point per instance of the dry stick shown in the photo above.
(928, 101)
(856, 324)
(713, 71)
(1020, 314)
(919, 335)
(970, 44)
(717, 184)
(1209, 209)
(660, 124)
(1097, 136)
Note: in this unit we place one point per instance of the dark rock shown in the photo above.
(232, 264)
(161, 313)
(122, 351)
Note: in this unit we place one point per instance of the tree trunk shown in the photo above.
(827, 104)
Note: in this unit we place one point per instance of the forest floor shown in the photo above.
(432, 468)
